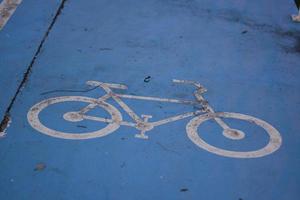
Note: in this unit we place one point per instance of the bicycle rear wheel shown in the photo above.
(34, 121)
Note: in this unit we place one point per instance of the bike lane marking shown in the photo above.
(7, 9)
(191, 129)
(240, 75)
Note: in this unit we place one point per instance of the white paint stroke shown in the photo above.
(7, 9)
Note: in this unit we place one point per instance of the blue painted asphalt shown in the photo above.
(245, 53)
(19, 42)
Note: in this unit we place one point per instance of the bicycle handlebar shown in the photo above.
(182, 81)
(197, 85)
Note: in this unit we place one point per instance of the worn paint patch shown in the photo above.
(7, 9)
(40, 167)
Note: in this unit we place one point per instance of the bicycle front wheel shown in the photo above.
(34, 121)
(273, 144)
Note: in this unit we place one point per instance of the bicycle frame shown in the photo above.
(142, 123)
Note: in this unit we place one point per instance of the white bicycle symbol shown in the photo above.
(143, 124)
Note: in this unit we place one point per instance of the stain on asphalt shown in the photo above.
(105, 49)
(184, 189)
(40, 167)
(294, 48)
(276, 31)
(123, 165)
(58, 172)
(192, 7)
(180, 95)
(81, 126)
(166, 149)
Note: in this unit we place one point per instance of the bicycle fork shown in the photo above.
(228, 132)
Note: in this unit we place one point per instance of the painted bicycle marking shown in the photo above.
(143, 123)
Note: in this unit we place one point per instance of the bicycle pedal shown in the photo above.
(140, 136)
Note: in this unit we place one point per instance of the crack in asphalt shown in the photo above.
(4, 122)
